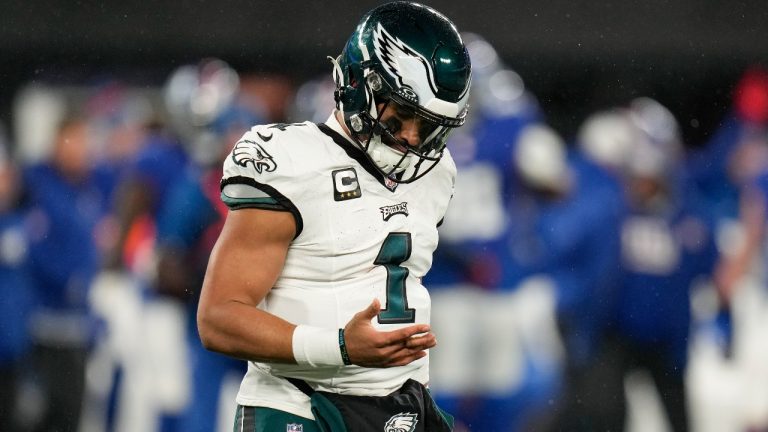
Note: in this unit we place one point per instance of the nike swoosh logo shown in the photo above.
(264, 138)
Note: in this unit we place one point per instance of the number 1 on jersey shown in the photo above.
(395, 250)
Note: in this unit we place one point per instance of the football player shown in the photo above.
(316, 275)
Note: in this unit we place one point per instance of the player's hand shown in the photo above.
(369, 347)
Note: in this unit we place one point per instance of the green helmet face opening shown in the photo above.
(410, 57)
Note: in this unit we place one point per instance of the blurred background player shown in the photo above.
(16, 290)
(739, 278)
(667, 249)
(588, 282)
(565, 228)
(67, 207)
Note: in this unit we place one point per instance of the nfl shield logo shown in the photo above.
(390, 184)
(294, 427)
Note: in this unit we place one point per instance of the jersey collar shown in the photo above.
(334, 130)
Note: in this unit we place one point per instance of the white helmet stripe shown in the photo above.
(363, 48)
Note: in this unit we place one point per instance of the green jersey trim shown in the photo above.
(270, 200)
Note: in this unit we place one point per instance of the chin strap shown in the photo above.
(389, 160)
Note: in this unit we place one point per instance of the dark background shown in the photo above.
(575, 56)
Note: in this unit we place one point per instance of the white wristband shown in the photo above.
(316, 346)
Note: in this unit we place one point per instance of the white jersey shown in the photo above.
(358, 237)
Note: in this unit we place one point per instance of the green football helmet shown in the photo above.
(409, 55)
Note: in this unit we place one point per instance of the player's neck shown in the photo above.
(340, 119)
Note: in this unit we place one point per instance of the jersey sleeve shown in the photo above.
(258, 171)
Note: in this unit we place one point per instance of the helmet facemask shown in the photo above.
(376, 135)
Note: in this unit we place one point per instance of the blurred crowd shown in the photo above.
(613, 280)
